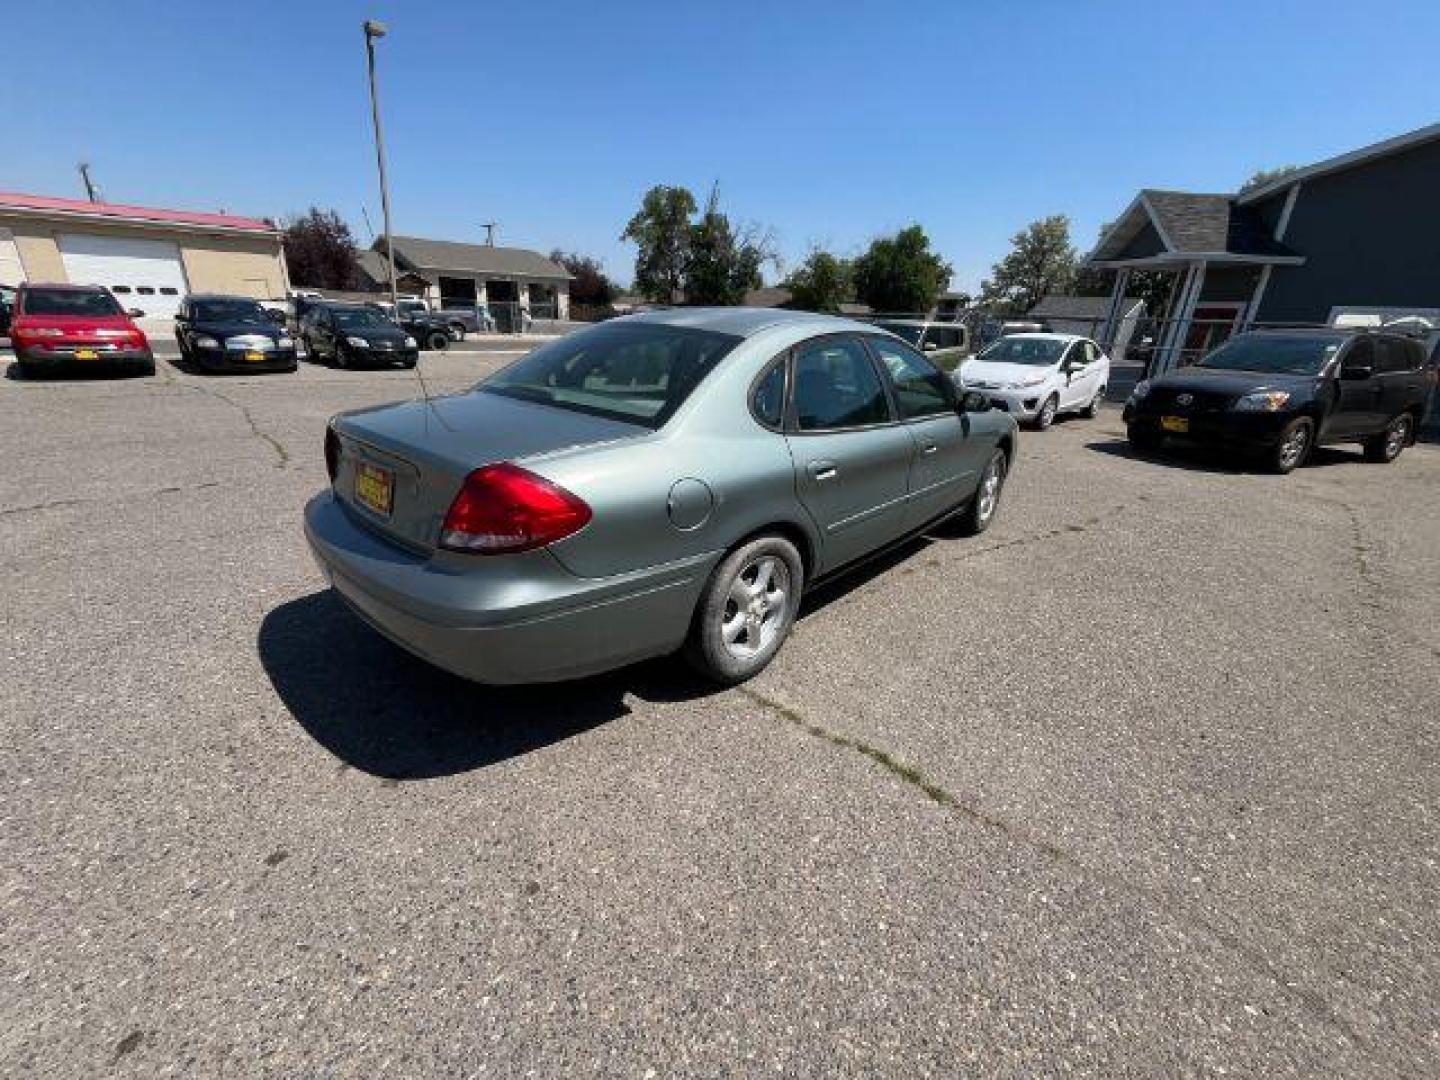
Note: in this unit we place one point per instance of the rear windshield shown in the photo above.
(70, 302)
(638, 372)
(1276, 354)
(238, 311)
(1036, 352)
(909, 333)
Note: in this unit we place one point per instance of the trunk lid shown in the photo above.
(427, 448)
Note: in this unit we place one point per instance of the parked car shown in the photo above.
(416, 319)
(469, 320)
(946, 343)
(1279, 393)
(58, 326)
(674, 479)
(217, 333)
(1036, 377)
(355, 335)
(7, 304)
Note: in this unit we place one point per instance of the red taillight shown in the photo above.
(332, 453)
(504, 508)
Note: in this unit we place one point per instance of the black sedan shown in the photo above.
(1279, 393)
(356, 335)
(231, 333)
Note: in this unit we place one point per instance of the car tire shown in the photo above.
(746, 611)
(437, 341)
(1093, 409)
(339, 358)
(1143, 440)
(985, 503)
(457, 331)
(1386, 447)
(1046, 416)
(28, 370)
(1292, 448)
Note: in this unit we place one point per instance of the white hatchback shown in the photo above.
(1036, 377)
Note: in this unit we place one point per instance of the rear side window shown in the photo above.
(920, 390)
(836, 386)
(1396, 355)
(769, 398)
(61, 302)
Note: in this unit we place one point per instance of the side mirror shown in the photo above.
(1356, 372)
(135, 313)
(974, 401)
(929, 346)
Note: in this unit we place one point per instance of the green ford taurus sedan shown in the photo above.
(663, 482)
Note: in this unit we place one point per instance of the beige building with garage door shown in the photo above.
(148, 257)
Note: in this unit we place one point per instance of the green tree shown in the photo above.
(1041, 261)
(724, 264)
(320, 252)
(661, 230)
(589, 287)
(901, 273)
(1265, 176)
(822, 282)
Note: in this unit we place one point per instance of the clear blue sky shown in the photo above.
(831, 122)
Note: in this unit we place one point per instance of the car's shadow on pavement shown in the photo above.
(390, 714)
(1216, 460)
(74, 374)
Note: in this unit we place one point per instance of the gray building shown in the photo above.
(449, 274)
(1354, 238)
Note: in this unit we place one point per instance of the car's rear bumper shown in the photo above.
(507, 619)
(1225, 428)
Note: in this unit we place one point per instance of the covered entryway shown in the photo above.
(143, 274)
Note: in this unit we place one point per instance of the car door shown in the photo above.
(852, 460)
(947, 460)
(1397, 367)
(1359, 398)
(1074, 376)
(182, 323)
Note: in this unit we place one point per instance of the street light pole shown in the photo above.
(373, 30)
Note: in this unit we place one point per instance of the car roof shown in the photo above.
(220, 296)
(744, 322)
(64, 286)
(1045, 336)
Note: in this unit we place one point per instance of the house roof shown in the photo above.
(1365, 154)
(772, 296)
(1191, 225)
(81, 208)
(1054, 306)
(474, 258)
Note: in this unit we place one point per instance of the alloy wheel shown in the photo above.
(1292, 450)
(1047, 413)
(989, 493)
(755, 609)
(1397, 436)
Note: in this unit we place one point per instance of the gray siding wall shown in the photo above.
(1370, 235)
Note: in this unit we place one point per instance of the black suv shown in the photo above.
(356, 335)
(232, 332)
(1279, 393)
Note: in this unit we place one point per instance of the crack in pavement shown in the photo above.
(970, 811)
(281, 453)
(57, 504)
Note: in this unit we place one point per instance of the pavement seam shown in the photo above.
(1309, 999)
(264, 436)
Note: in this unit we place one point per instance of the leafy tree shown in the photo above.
(724, 264)
(1265, 176)
(901, 273)
(822, 282)
(1041, 261)
(320, 252)
(661, 230)
(590, 286)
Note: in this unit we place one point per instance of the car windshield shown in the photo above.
(356, 318)
(230, 311)
(1276, 354)
(61, 302)
(1031, 351)
(640, 373)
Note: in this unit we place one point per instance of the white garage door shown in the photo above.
(144, 274)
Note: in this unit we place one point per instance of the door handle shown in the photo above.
(823, 470)
(929, 449)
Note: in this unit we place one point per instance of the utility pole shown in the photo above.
(91, 191)
(375, 30)
(490, 227)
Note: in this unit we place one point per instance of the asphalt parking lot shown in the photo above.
(1142, 781)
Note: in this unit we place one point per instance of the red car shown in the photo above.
(75, 326)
